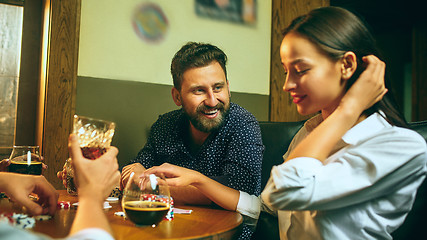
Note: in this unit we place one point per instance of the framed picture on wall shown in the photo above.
(150, 22)
(237, 11)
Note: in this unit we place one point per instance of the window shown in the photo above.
(11, 19)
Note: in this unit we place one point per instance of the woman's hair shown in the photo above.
(194, 55)
(336, 31)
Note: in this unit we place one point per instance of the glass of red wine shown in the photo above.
(94, 137)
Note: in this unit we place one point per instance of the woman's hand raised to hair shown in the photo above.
(368, 89)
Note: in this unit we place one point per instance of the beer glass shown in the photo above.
(146, 199)
(25, 160)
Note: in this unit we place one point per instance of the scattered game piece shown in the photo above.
(106, 205)
(182, 211)
(22, 220)
(120, 214)
(112, 199)
(169, 215)
(63, 205)
(43, 217)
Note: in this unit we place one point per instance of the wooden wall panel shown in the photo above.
(282, 109)
(60, 83)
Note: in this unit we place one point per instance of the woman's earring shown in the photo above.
(346, 71)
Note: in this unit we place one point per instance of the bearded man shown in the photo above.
(208, 134)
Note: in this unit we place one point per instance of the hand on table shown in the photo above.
(19, 186)
(127, 170)
(176, 176)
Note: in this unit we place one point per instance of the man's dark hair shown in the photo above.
(194, 55)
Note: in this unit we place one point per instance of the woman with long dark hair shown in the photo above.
(353, 170)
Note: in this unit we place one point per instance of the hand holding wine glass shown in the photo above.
(94, 181)
(93, 177)
(94, 137)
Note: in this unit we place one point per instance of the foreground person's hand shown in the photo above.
(94, 180)
(18, 186)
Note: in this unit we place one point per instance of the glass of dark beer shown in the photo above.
(146, 199)
(25, 160)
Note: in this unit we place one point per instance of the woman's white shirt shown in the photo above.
(364, 190)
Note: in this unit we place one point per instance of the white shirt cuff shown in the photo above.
(91, 234)
(249, 205)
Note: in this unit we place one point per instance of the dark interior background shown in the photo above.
(392, 23)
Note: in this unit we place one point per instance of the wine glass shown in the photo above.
(94, 135)
(25, 160)
(146, 199)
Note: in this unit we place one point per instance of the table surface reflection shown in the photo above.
(202, 223)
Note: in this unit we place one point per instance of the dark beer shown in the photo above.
(146, 212)
(35, 168)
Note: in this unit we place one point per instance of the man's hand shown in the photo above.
(19, 186)
(94, 178)
(127, 170)
(183, 183)
(176, 176)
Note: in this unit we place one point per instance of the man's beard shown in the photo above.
(207, 125)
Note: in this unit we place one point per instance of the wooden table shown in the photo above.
(202, 223)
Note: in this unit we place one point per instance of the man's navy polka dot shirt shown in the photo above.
(232, 155)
